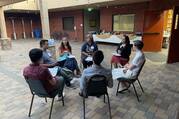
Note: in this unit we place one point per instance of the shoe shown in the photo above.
(68, 84)
(72, 86)
(60, 97)
(81, 94)
(122, 90)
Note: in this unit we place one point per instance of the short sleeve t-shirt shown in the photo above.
(47, 58)
(38, 72)
(89, 48)
(138, 60)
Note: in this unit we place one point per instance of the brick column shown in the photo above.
(2, 24)
(5, 42)
(44, 19)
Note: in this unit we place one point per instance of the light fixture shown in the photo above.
(90, 9)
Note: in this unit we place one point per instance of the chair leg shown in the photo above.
(109, 107)
(104, 98)
(140, 86)
(135, 92)
(83, 107)
(63, 99)
(51, 108)
(117, 88)
(31, 104)
(45, 99)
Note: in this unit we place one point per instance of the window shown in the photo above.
(68, 23)
(123, 22)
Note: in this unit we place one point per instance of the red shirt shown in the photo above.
(37, 72)
(62, 50)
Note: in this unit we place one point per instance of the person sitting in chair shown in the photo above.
(124, 51)
(49, 62)
(130, 70)
(87, 51)
(37, 72)
(95, 69)
(65, 55)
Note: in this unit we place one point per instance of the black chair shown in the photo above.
(37, 88)
(132, 81)
(96, 86)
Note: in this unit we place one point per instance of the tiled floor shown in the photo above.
(160, 82)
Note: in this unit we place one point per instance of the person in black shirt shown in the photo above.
(124, 51)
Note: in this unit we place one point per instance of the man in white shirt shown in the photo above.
(130, 70)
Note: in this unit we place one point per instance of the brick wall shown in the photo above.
(56, 23)
(18, 24)
(106, 15)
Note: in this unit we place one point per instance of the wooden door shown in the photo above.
(153, 30)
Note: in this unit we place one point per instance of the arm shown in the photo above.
(129, 66)
(53, 81)
(47, 75)
(84, 53)
(83, 50)
(82, 81)
(49, 65)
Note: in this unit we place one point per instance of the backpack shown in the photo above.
(66, 73)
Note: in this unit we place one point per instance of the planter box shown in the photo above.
(5, 43)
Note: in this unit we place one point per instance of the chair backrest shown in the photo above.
(96, 86)
(37, 87)
(141, 68)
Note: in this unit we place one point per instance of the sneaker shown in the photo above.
(72, 86)
(123, 88)
(81, 94)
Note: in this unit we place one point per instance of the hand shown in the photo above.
(125, 70)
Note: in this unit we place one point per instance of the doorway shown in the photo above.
(173, 54)
(91, 20)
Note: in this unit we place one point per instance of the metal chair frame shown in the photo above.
(101, 89)
(132, 81)
(42, 93)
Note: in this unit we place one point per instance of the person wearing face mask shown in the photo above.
(123, 51)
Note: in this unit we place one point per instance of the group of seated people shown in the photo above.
(91, 58)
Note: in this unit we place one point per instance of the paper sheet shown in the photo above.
(53, 71)
(116, 54)
(89, 59)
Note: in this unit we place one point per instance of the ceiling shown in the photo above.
(102, 4)
(7, 2)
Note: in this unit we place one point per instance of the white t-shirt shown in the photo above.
(138, 60)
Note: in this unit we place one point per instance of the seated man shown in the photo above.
(49, 62)
(95, 69)
(130, 70)
(37, 72)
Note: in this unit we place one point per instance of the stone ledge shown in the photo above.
(5, 43)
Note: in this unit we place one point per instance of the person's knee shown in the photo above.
(60, 80)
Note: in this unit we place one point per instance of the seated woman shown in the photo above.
(87, 50)
(123, 51)
(66, 57)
